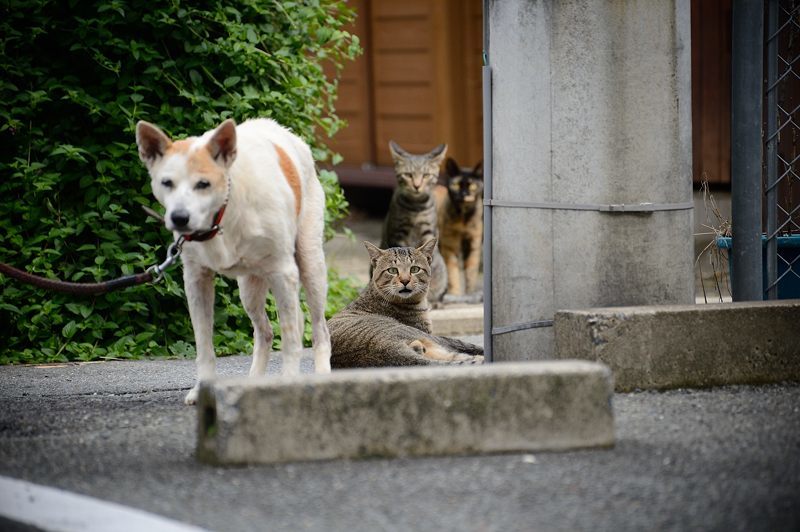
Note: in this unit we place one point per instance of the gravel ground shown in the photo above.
(720, 459)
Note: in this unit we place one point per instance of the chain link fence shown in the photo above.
(781, 166)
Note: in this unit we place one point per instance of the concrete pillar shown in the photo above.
(591, 105)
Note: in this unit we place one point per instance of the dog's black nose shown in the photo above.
(180, 218)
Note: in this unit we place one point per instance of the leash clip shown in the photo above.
(173, 251)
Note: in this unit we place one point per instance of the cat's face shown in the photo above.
(417, 174)
(465, 187)
(402, 275)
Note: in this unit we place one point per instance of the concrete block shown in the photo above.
(406, 412)
(661, 347)
(457, 321)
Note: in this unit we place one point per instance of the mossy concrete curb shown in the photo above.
(686, 346)
(527, 406)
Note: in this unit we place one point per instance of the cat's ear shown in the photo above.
(437, 154)
(428, 248)
(374, 252)
(397, 152)
(451, 168)
(478, 170)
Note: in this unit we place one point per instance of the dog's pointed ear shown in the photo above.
(222, 145)
(428, 248)
(451, 167)
(152, 142)
(374, 252)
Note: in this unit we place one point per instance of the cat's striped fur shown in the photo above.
(389, 324)
(412, 216)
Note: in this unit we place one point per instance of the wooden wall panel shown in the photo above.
(354, 104)
(402, 34)
(405, 99)
(398, 69)
(401, 9)
(711, 91)
(418, 82)
(402, 58)
(471, 75)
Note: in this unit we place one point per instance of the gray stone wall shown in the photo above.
(591, 104)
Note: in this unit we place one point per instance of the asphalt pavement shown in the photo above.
(720, 459)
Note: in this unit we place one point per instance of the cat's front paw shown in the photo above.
(417, 346)
(468, 359)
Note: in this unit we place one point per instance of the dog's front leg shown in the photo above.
(285, 287)
(253, 293)
(198, 283)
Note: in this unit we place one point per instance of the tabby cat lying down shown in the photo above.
(388, 323)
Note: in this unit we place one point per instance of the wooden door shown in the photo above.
(418, 83)
(354, 104)
(711, 91)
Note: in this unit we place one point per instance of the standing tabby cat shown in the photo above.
(412, 214)
(388, 323)
(460, 206)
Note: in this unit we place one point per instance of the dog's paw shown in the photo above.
(191, 397)
(322, 369)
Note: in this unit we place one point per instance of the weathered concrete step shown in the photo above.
(662, 347)
(457, 320)
(523, 406)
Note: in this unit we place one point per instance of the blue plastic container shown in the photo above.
(788, 249)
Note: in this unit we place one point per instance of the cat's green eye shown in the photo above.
(414, 269)
(473, 187)
(393, 271)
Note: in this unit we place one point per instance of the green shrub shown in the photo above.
(77, 76)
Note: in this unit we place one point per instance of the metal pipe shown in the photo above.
(488, 351)
(772, 151)
(746, 148)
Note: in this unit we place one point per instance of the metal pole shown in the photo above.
(772, 151)
(487, 191)
(746, 148)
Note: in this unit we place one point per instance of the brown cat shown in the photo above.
(460, 207)
(412, 214)
(388, 323)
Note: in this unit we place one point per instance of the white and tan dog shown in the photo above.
(262, 178)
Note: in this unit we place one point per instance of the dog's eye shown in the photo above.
(202, 184)
(393, 271)
(414, 269)
(167, 183)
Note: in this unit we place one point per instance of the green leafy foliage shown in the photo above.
(77, 76)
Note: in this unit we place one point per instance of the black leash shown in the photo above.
(153, 274)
